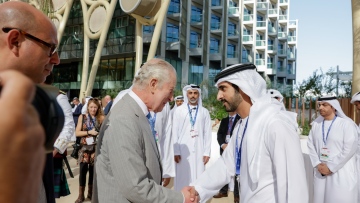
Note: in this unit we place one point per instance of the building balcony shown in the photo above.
(282, 17)
(292, 23)
(248, 18)
(260, 62)
(215, 56)
(248, 39)
(215, 26)
(271, 30)
(291, 55)
(233, 34)
(282, 35)
(234, 12)
(260, 43)
(271, 48)
(215, 2)
(172, 45)
(271, 70)
(283, 1)
(249, 1)
(281, 71)
(291, 39)
(260, 24)
(247, 59)
(261, 5)
(281, 53)
(272, 12)
(196, 20)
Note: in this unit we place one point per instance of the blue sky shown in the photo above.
(324, 35)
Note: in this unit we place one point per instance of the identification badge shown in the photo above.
(90, 141)
(227, 139)
(324, 154)
(193, 133)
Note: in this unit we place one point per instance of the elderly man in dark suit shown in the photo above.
(223, 136)
(128, 167)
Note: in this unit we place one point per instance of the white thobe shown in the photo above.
(342, 140)
(191, 149)
(165, 142)
(281, 176)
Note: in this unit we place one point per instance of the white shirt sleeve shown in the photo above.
(68, 131)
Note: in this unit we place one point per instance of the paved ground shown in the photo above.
(74, 182)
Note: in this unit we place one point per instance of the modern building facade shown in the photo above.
(199, 38)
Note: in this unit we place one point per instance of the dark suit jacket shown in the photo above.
(221, 135)
(48, 178)
(107, 108)
(77, 113)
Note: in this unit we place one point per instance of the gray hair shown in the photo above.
(157, 69)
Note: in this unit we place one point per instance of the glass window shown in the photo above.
(231, 29)
(247, 11)
(174, 6)
(215, 22)
(195, 40)
(196, 14)
(245, 55)
(232, 4)
(215, 2)
(148, 29)
(172, 33)
(196, 73)
(231, 51)
(214, 45)
(259, 18)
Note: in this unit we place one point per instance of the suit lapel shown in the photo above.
(143, 120)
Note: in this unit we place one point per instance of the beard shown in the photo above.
(233, 103)
(193, 100)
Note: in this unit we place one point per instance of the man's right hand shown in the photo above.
(177, 158)
(190, 194)
(22, 140)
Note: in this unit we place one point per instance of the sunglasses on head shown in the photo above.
(53, 47)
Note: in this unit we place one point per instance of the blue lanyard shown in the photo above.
(327, 135)
(193, 120)
(238, 149)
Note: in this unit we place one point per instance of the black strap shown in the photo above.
(67, 165)
(326, 98)
(233, 69)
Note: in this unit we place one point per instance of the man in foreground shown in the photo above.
(28, 42)
(128, 166)
(264, 151)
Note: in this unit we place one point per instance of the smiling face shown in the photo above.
(92, 107)
(229, 96)
(357, 105)
(164, 94)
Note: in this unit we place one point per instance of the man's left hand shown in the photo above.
(165, 181)
(206, 159)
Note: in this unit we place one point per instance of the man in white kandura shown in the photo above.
(192, 137)
(264, 150)
(332, 143)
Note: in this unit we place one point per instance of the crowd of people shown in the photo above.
(133, 145)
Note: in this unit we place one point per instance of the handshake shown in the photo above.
(190, 194)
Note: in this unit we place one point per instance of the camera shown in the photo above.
(50, 113)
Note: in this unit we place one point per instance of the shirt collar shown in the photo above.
(139, 102)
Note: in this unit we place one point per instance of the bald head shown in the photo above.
(30, 34)
(21, 15)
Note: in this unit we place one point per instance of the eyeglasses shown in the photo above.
(53, 47)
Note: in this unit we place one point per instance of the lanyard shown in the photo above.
(232, 123)
(238, 149)
(327, 135)
(90, 124)
(193, 120)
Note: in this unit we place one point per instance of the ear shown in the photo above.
(13, 41)
(153, 84)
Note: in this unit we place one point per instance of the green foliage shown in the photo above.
(306, 128)
(216, 108)
(112, 92)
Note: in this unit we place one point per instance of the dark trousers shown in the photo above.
(84, 168)
(224, 190)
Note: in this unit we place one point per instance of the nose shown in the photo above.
(55, 59)
(219, 96)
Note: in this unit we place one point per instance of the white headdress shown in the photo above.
(192, 87)
(332, 100)
(274, 94)
(253, 85)
(355, 97)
